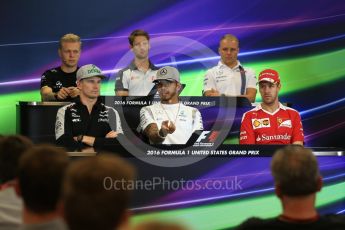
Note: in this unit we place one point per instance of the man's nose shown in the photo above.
(96, 85)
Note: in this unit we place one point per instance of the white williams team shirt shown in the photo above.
(228, 80)
(188, 120)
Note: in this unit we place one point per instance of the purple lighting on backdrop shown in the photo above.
(202, 59)
(261, 173)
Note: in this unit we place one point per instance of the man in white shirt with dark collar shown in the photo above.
(169, 121)
(136, 79)
(229, 77)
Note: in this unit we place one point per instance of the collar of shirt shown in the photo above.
(59, 69)
(132, 66)
(222, 65)
(97, 105)
(281, 106)
(8, 184)
(57, 223)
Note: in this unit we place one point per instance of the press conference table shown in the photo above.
(36, 120)
(220, 151)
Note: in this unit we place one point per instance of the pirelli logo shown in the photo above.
(261, 123)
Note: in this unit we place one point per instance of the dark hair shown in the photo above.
(41, 171)
(11, 149)
(295, 171)
(136, 33)
(90, 201)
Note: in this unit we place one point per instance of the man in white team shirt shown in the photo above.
(229, 77)
(169, 121)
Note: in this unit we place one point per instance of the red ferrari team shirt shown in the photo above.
(283, 126)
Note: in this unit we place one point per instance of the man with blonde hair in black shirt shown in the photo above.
(59, 84)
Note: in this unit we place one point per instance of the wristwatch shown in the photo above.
(80, 138)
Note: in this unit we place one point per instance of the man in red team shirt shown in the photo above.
(271, 122)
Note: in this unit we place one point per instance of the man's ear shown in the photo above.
(78, 84)
(278, 190)
(319, 184)
(60, 208)
(124, 221)
(178, 87)
(59, 53)
(17, 187)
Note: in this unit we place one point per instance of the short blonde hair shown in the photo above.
(231, 38)
(69, 38)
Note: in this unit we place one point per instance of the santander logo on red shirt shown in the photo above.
(264, 137)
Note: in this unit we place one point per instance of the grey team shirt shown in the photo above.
(136, 82)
